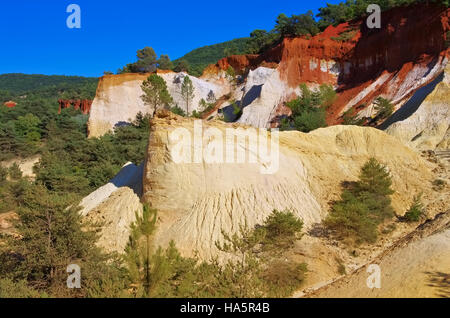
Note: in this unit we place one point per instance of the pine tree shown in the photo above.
(363, 205)
(384, 108)
(416, 210)
(187, 91)
(52, 237)
(375, 178)
(138, 253)
(164, 62)
(146, 60)
(155, 92)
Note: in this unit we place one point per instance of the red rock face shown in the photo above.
(10, 104)
(84, 105)
(77, 104)
(409, 37)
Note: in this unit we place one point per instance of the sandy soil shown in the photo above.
(26, 165)
(417, 265)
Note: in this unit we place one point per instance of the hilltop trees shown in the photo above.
(261, 40)
(187, 91)
(164, 62)
(296, 25)
(181, 66)
(305, 24)
(147, 61)
(155, 92)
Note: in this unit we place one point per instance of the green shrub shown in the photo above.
(363, 205)
(3, 174)
(384, 108)
(349, 119)
(416, 210)
(283, 277)
(309, 110)
(231, 73)
(178, 111)
(439, 184)
(341, 267)
(14, 172)
(52, 237)
(19, 289)
(280, 230)
(345, 36)
(248, 273)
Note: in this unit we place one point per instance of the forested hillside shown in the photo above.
(17, 84)
(199, 58)
(23, 129)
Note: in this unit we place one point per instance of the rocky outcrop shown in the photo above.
(118, 98)
(428, 128)
(7, 221)
(415, 266)
(10, 104)
(116, 214)
(83, 105)
(196, 201)
(394, 61)
(115, 206)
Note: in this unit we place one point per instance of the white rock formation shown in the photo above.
(118, 98)
(264, 91)
(201, 90)
(114, 206)
(130, 176)
(115, 215)
(429, 127)
(117, 101)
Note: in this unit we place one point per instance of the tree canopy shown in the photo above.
(187, 91)
(155, 92)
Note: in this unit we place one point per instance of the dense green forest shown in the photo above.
(24, 128)
(17, 84)
(200, 58)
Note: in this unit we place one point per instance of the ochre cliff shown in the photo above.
(406, 53)
(118, 98)
(196, 201)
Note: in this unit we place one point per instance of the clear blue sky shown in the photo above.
(35, 39)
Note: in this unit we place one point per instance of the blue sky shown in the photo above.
(36, 40)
